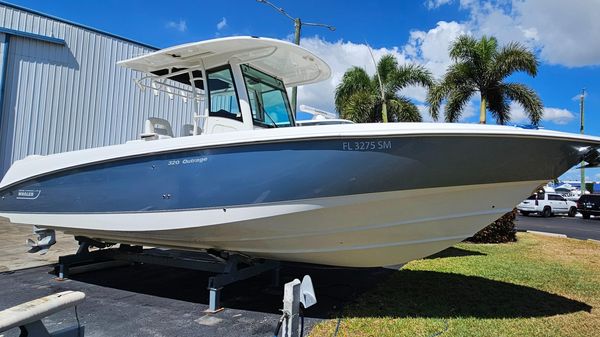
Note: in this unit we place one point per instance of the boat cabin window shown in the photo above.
(268, 99)
(223, 100)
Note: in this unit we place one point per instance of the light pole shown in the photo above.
(581, 111)
(297, 28)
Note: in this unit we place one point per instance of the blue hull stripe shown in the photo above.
(275, 172)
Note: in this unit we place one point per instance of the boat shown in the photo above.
(569, 191)
(242, 178)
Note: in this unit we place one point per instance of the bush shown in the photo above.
(500, 231)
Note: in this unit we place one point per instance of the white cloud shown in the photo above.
(508, 20)
(424, 111)
(222, 24)
(554, 115)
(181, 25)
(557, 29)
(340, 56)
(558, 116)
(469, 111)
(429, 48)
(433, 4)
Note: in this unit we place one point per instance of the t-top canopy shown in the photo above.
(292, 64)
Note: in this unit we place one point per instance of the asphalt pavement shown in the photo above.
(148, 300)
(577, 228)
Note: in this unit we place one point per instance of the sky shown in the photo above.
(563, 34)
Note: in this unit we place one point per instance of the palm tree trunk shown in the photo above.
(482, 111)
(384, 112)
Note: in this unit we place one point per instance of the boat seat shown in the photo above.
(187, 130)
(157, 128)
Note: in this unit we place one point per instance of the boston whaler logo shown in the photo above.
(28, 194)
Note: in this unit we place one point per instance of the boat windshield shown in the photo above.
(268, 99)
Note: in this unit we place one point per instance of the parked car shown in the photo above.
(547, 204)
(589, 204)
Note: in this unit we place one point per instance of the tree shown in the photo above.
(480, 66)
(358, 96)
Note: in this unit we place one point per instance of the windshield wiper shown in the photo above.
(272, 121)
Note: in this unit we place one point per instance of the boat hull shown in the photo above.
(337, 199)
(367, 230)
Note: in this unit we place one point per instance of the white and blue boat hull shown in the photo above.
(355, 195)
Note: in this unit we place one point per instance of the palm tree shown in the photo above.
(358, 97)
(481, 67)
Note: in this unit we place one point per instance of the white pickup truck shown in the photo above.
(547, 204)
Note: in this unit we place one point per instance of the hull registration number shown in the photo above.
(367, 145)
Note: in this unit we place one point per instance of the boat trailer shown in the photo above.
(228, 267)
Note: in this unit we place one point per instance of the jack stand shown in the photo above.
(291, 309)
(232, 273)
(233, 268)
(296, 293)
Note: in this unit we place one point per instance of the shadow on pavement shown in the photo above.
(335, 287)
(404, 293)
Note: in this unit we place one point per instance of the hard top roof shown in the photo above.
(292, 64)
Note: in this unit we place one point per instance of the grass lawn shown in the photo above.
(538, 286)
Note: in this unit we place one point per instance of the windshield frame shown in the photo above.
(235, 90)
(276, 85)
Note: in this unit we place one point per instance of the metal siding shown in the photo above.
(65, 98)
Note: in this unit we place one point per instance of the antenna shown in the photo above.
(383, 105)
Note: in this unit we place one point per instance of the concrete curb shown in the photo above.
(554, 235)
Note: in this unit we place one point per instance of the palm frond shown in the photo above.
(386, 67)
(401, 109)
(354, 80)
(410, 74)
(463, 48)
(359, 107)
(512, 58)
(527, 97)
(498, 104)
(460, 74)
(458, 98)
(435, 95)
(487, 49)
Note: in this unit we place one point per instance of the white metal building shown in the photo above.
(61, 90)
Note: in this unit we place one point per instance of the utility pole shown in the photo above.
(297, 28)
(581, 112)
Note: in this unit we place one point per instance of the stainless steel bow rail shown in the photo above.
(228, 267)
(28, 316)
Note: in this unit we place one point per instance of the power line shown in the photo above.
(298, 23)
